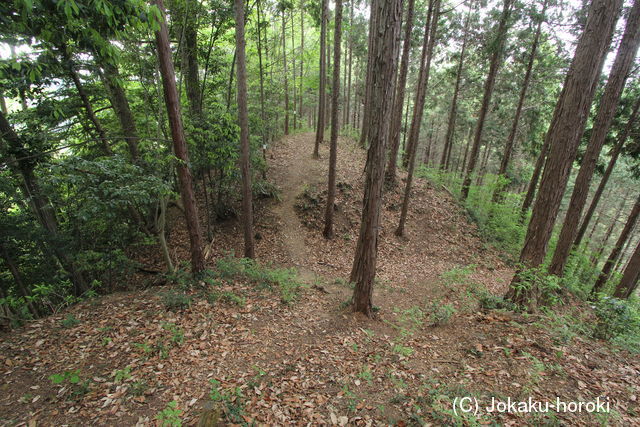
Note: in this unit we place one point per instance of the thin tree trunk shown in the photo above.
(40, 204)
(301, 89)
(243, 120)
(607, 235)
(607, 173)
(179, 143)
(122, 109)
(564, 133)
(535, 177)
(348, 98)
(293, 71)
(418, 111)
(323, 81)
(335, 126)
(286, 79)
(608, 106)
(629, 281)
(263, 116)
(17, 278)
(451, 126)
(508, 148)
(366, 107)
(102, 135)
(498, 49)
(617, 249)
(396, 120)
(161, 226)
(190, 58)
(383, 60)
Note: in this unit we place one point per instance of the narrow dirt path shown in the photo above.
(302, 170)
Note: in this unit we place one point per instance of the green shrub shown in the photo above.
(615, 317)
(175, 300)
(170, 415)
(440, 313)
(70, 321)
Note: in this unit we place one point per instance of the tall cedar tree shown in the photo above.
(564, 134)
(496, 55)
(179, 142)
(630, 276)
(396, 121)
(615, 153)
(421, 91)
(608, 105)
(508, 148)
(335, 126)
(617, 249)
(322, 91)
(383, 59)
(284, 64)
(451, 123)
(243, 120)
(366, 107)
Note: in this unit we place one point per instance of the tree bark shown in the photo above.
(498, 48)
(629, 281)
(190, 58)
(335, 126)
(179, 143)
(122, 109)
(615, 153)
(564, 134)
(418, 111)
(396, 120)
(350, 65)
(243, 120)
(383, 60)
(451, 126)
(608, 105)
(323, 82)
(366, 107)
(617, 249)
(286, 80)
(508, 148)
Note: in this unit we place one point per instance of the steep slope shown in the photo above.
(312, 361)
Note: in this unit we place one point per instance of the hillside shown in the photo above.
(241, 353)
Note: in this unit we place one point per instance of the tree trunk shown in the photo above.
(396, 120)
(301, 89)
(418, 111)
(101, 134)
(286, 80)
(349, 72)
(608, 105)
(451, 126)
(293, 71)
(533, 183)
(263, 116)
(323, 82)
(595, 259)
(179, 143)
(335, 126)
(15, 272)
(121, 107)
(383, 60)
(190, 58)
(40, 204)
(607, 173)
(243, 120)
(629, 281)
(498, 48)
(617, 249)
(564, 134)
(366, 107)
(508, 148)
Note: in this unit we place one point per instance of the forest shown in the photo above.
(320, 212)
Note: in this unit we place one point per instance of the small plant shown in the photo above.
(122, 375)
(615, 317)
(366, 375)
(73, 381)
(138, 388)
(232, 400)
(403, 350)
(177, 334)
(170, 415)
(70, 321)
(228, 297)
(440, 314)
(175, 300)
